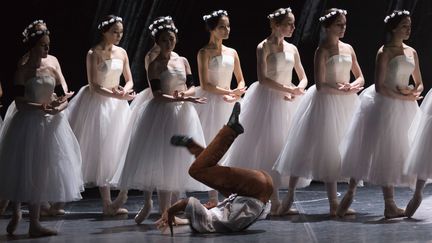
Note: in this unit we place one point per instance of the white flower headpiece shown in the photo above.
(110, 21)
(282, 11)
(396, 13)
(332, 13)
(26, 33)
(163, 27)
(215, 14)
(160, 21)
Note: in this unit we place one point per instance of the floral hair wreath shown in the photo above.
(396, 13)
(159, 21)
(163, 27)
(279, 12)
(26, 33)
(332, 13)
(110, 21)
(215, 14)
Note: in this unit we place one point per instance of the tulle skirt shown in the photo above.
(142, 98)
(100, 123)
(420, 156)
(311, 150)
(377, 145)
(40, 158)
(214, 114)
(151, 161)
(266, 118)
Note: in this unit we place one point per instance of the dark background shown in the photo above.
(73, 31)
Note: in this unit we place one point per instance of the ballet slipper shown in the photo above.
(412, 206)
(391, 211)
(39, 231)
(13, 223)
(274, 209)
(343, 208)
(144, 212)
(285, 207)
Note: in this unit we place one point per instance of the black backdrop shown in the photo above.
(73, 31)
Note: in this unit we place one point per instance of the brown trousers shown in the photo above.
(227, 180)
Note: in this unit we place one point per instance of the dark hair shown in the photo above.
(279, 15)
(109, 21)
(392, 20)
(163, 30)
(330, 16)
(34, 32)
(211, 20)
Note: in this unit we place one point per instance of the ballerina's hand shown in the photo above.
(166, 220)
(231, 98)
(406, 90)
(297, 91)
(69, 94)
(198, 100)
(356, 88)
(344, 86)
(239, 91)
(119, 90)
(129, 95)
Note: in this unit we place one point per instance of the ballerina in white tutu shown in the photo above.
(99, 114)
(376, 146)
(323, 116)
(146, 94)
(216, 65)
(270, 103)
(418, 162)
(40, 159)
(151, 162)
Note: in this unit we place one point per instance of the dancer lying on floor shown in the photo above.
(247, 191)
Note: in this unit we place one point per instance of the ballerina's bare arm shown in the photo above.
(238, 73)
(127, 74)
(418, 80)
(300, 70)
(359, 81)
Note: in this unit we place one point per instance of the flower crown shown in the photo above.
(279, 12)
(215, 14)
(110, 21)
(332, 13)
(160, 21)
(163, 27)
(26, 33)
(396, 13)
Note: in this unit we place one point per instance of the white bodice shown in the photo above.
(173, 79)
(338, 69)
(220, 70)
(39, 89)
(109, 72)
(399, 70)
(280, 66)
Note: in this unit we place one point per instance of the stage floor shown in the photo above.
(83, 222)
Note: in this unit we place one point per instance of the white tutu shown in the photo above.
(266, 118)
(40, 158)
(214, 114)
(99, 123)
(311, 150)
(376, 146)
(419, 158)
(151, 161)
(142, 98)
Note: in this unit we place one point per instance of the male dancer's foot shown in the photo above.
(233, 121)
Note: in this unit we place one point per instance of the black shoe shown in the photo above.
(233, 121)
(180, 140)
